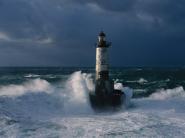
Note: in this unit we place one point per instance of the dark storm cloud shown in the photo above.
(165, 11)
(62, 32)
(116, 5)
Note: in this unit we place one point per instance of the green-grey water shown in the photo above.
(52, 102)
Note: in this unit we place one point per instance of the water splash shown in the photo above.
(127, 91)
(76, 91)
(38, 99)
(169, 93)
(31, 86)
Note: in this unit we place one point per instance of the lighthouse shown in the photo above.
(102, 58)
(104, 94)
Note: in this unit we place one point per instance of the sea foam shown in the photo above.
(31, 86)
(76, 93)
(168, 93)
(38, 108)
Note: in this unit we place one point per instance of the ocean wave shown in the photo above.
(38, 108)
(31, 86)
(117, 80)
(140, 90)
(31, 76)
(140, 81)
(168, 93)
(76, 93)
(39, 99)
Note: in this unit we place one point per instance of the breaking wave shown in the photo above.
(37, 98)
(38, 108)
(169, 93)
(76, 93)
(140, 81)
(32, 86)
(31, 76)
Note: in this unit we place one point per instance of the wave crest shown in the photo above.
(169, 93)
(76, 92)
(32, 86)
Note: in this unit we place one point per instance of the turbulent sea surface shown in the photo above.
(53, 103)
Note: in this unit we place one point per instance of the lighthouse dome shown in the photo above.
(102, 34)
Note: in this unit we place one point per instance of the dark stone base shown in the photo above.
(116, 99)
(105, 95)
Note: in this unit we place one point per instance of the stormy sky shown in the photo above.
(64, 32)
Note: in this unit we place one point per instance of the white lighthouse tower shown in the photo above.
(104, 85)
(105, 94)
(102, 58)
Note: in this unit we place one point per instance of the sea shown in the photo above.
(53, 102)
